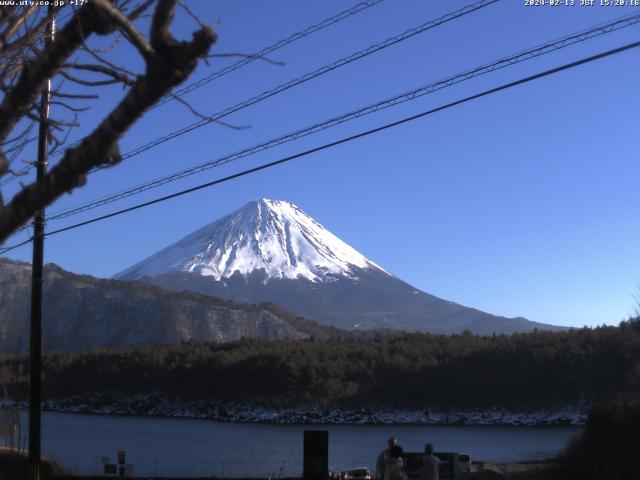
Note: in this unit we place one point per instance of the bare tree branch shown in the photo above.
(55, 124)
(30, 34)
(71, 108)
(59, 142)
(126, 27)
(107, 49)
(76, 96)
(87, 83)
(16, 23)
(195, 112)
(163, 16)
(191, 14)
(21, 135)
(115, 75)
(168, 64)
(140, 9)
(4, 163)
(102, 60)
(34, 77)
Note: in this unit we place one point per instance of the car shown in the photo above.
(362, 473)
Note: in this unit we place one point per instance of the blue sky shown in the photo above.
(523, 203)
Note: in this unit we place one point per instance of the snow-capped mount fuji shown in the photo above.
(272, 251)
(269, 235)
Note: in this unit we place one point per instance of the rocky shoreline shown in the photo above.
(159, 406)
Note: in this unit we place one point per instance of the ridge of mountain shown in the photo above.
(84, 312)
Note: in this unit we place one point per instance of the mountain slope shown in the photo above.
(268, 235)
(82, 312)
(372, 302)
(272, 251)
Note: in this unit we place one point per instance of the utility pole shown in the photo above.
(35, 349)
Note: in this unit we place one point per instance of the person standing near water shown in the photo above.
(383, 458)
(395, 466)
(430, 464)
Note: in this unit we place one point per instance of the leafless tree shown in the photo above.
(27, 63)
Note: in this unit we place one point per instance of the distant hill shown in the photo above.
(271, 250)
(82, 312)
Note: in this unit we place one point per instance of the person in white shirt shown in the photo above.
(395, 465)
(430, 464)
(383, 458)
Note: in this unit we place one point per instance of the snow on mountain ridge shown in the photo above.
(270, 235)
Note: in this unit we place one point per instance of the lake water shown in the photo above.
(188, 447)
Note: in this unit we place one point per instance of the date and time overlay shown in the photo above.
(581, 3)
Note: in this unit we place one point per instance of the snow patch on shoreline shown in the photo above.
(155, 405)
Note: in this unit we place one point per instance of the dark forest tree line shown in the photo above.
(394, 370)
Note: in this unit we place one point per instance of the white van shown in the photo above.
(453, 465)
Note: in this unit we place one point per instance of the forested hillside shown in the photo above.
(401, 370)
(83, 312)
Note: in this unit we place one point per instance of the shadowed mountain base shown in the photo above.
(371, 300)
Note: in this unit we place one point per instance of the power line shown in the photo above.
(366, 133)
(528, 54)
(310, 76)
(270, 49)
(12, 247)
(327, 22)
(304, 78)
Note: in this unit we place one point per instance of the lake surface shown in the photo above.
(188, 447)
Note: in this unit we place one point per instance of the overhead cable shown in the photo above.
(350, 138)
(510, 60)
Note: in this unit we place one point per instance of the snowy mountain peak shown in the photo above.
(270, 235)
